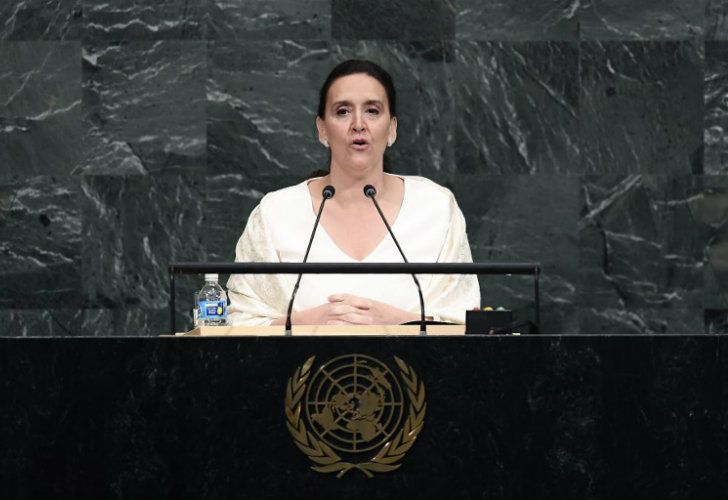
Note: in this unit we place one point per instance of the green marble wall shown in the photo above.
(589, 135)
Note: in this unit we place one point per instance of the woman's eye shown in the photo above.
(373, 111)
(342, 111)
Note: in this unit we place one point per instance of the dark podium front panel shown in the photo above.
(497, 417)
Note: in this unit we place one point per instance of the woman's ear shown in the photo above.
(321, 132)
(392, 131)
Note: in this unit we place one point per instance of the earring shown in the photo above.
(325, 143)
(390, 142)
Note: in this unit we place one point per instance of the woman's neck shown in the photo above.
(350, 188)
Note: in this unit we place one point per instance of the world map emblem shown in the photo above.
(355, 412)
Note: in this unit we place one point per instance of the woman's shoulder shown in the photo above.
(285, 198)
(422, 187)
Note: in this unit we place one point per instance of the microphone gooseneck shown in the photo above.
(371, 192)
(326, 194)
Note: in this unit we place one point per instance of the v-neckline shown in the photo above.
(381, 242)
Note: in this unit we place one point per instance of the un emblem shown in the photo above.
(354, 405)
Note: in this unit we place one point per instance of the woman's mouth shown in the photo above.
(359, 144)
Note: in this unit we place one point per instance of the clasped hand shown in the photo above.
(347, 309)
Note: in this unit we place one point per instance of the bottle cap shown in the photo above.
(210, 277)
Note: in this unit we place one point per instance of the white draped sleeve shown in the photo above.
(450, 295)
(257, 299)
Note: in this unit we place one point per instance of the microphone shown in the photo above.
(326, 194)
(371, 192)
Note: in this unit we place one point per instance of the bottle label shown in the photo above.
(212, 310)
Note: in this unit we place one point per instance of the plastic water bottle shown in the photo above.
(212, 303)
(195, 311)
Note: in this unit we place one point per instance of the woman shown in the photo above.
(357, 121)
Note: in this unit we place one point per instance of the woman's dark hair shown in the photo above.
(358, 67)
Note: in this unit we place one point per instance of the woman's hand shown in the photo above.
(347, 309)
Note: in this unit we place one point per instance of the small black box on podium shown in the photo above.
(488, 322)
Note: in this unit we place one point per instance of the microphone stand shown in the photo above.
(371, 192)
(327, 193)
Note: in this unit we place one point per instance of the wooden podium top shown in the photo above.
(311, 330)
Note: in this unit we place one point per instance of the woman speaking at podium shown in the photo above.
(357, 122)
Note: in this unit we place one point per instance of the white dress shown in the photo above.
(429, 227)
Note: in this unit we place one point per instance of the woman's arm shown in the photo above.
(449, 295)
(257, 299)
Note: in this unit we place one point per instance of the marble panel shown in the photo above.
(504, 226)
(516, 108)
(270, 20)
(716, 321)
(40, 108)
(642, 20)
(640, 320)
(143, 321)
(569, 437)
(715, 121)
(40, 244)
(118, 20)
(713, 295)
(261, 109)
(716, 20)
(384, 20)
(517, 20)
(144, 108)
(721, 435)
(55, 322)
(639, 402)
(135, 227)
(41, 19)
(660, 401)
(641, 107)
(640, 248)
(710, 212)
(547, 418)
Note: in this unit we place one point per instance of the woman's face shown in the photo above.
(357, 124)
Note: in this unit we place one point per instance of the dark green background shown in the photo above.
(591, 136)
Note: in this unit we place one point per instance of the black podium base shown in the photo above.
(506, 417)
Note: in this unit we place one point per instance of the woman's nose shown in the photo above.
(357, 123)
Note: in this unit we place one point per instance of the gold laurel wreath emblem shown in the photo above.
(327, 459)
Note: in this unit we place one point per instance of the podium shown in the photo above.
(495, 416)
(314, 330)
